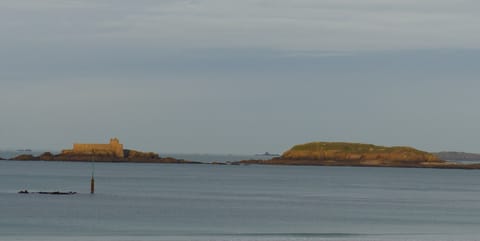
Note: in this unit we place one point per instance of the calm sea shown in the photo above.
(178, 202)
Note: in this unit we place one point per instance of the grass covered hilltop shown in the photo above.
(354, 154)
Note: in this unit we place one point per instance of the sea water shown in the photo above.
(202, 202)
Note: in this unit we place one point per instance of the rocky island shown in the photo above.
(111, 152)
(313, 154)
(358, 154)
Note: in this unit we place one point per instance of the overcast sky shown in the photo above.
(249, 76)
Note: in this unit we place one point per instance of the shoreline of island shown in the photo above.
(271, 162)
(345, 154)
(138, 157)
(330, 163)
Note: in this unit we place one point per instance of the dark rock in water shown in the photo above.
(49, 193)
(58, 193)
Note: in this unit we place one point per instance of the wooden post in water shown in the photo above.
(92, 186)
(92, 180)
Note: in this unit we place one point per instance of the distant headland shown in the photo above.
(358, 154)
(110, 152)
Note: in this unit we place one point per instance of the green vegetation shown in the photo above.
(357, 152)
(351, 148)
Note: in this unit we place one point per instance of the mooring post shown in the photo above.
(92, 185)
(92, 180)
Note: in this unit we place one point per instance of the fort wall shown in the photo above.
(113, 148)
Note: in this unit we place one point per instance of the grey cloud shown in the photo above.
(212, 73)
(284, 25)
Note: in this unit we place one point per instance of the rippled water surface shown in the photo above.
(216, 202)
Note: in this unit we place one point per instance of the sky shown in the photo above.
(239, 77)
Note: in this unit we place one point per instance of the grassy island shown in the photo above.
(354, 154)
(356, 151)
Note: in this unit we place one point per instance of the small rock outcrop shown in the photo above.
(133, 155)
(47, 156)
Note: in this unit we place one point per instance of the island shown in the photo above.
(311, 154)
(110, 152)
(358, 154)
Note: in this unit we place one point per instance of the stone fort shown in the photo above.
(113, 148)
